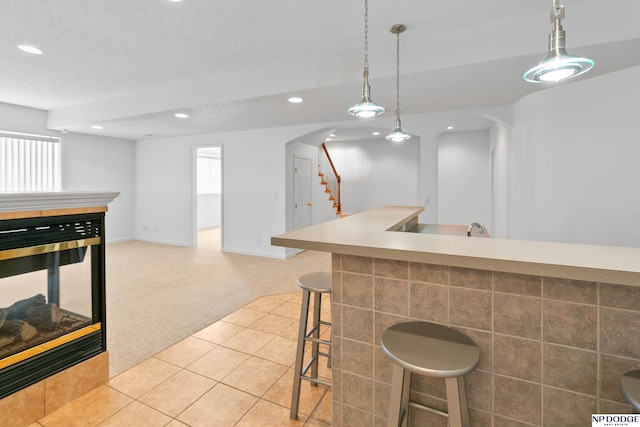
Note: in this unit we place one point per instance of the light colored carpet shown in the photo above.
(160, 294)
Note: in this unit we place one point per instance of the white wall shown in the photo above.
(499, 136)
(254, 176)
(464, 178)
(376, 172)
(90, 163)
(575, 170)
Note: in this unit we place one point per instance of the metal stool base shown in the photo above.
(309, 372)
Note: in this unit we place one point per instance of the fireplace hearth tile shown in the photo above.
(75, 382)
(22, 407)
(89, 410)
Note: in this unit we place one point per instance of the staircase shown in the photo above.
(329, 178)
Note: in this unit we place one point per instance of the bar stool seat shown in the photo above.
(630, 386)
(430, 350)
(316, 283)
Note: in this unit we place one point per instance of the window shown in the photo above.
(29, 163)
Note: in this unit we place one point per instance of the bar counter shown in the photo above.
(557, 324)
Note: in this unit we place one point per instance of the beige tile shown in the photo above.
(176, 423)
(255, 376)
(280, 350)
(268, 414)
(222, 406)
(218, 363)
(391, 268)
(517, 399)
(357, 290)
(266, 304)
(218, 332)
(357, 264)
(520, 284)
(23, 407)
(428, 273)
(357, 392)
(244, 316)
(429, 301)
(143, 377)
(323, 410)
(89, 410)
(470, 308)
(509, 354)
(292, 331)
(288, 309)
(136, 414)
(391, 296)
(185, 352)
(272, 324)
(470, 278)
(572, 324)
(280, 393)
(178, 392)
(517, 315)
(75, 382)
(248, 341)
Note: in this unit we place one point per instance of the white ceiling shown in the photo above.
(129, 65)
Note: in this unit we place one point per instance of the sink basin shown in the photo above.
(448, 229)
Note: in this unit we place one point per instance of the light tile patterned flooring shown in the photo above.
(235, 372)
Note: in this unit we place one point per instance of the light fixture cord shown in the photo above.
(398, 75)
(366, 40)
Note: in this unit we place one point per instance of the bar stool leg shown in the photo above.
(399, 401)
(457, 402)
(317, 305)
(295, 393)
(331, 333)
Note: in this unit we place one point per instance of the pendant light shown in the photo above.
(366, 107)
(558, 65)
(398, 135)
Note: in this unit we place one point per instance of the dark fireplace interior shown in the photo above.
(52, 296)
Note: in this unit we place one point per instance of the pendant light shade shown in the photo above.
(558, 65)
(366, 107)
(398, 135)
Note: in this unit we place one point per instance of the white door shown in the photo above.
(301, 192)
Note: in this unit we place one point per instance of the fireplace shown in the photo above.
(52, 293)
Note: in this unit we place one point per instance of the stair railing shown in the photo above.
(330, 178)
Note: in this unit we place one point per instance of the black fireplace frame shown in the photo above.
(49, 231)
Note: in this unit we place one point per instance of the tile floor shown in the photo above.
(235, 372)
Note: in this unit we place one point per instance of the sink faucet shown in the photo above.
(475, 224)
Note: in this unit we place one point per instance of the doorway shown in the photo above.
(208, 196)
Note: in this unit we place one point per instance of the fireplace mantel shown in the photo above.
(27, 202)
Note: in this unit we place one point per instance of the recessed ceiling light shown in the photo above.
(175, 1)
(295, 100)
(328, 139)
(375, 133)
(30, 49)
(332, 135)
(96, 127)
(181, 115)
(449, 127)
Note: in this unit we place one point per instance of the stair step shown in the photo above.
(327, 191)
(323, 182)
(332, 198)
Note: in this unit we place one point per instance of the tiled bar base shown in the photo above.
(552, 350)
(34, 402)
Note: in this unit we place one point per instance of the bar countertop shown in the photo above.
(368, 234)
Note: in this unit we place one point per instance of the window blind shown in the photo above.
(29, 163)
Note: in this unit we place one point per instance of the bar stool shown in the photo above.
(431, 350)
(317, 283)
(630, 386)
